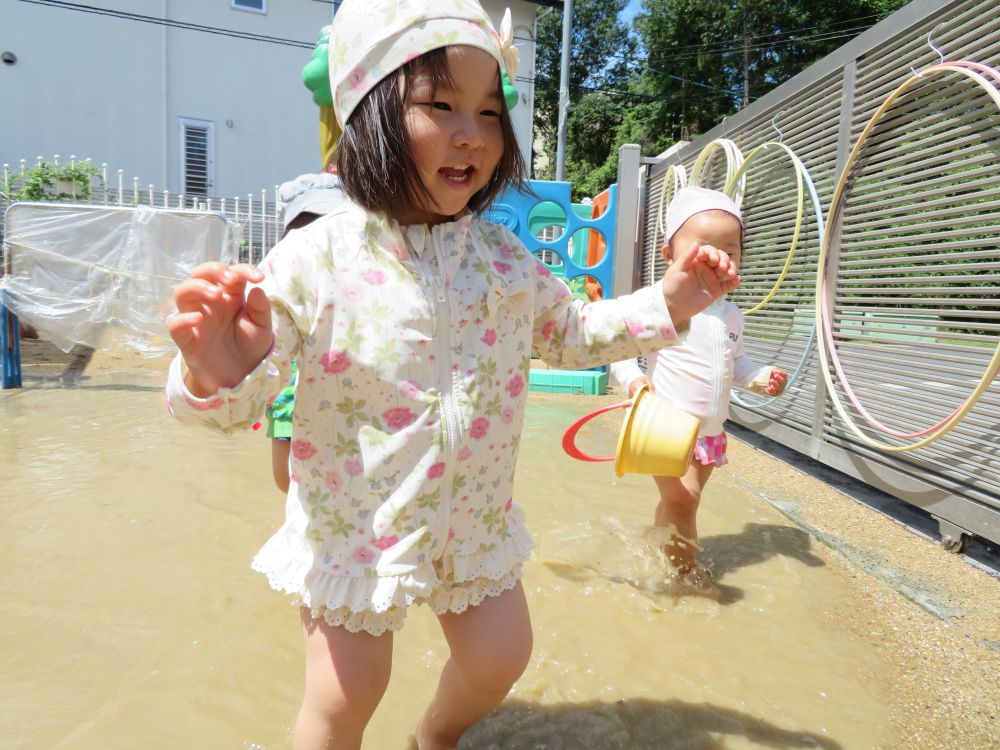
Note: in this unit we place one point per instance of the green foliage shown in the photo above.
(603, 53)
(688, 65)
(578, 288)
(44, 182)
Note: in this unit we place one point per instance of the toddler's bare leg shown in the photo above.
(490, 648)
(678, 508)
(346, 676)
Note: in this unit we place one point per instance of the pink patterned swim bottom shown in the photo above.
(711, 450)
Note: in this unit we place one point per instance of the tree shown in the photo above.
(706, 59)
(702, 60)
(602, 50)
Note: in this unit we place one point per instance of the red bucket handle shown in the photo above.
(569, 438)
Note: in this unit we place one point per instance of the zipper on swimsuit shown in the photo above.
(719, 344)
(449, 405)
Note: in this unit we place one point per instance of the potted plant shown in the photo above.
(50, 182)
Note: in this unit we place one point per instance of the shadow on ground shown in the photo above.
(757, 543)
(633, 724)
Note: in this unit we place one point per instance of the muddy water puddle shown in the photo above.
(130, 616)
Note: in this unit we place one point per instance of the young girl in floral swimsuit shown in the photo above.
(412, 320)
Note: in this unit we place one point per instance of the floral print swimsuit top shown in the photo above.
(413, 347)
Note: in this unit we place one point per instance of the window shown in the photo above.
(257, 6)
(197, 152)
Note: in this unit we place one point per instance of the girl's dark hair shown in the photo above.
(373, 156)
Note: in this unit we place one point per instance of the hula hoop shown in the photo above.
(740, 175)
(807, 351)
(991, 72)
(823, 312)
(676, 177)
(734, 157)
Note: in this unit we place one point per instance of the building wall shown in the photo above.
(113, 89)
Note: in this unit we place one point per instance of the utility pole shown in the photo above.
(746, 54)
(567, 38)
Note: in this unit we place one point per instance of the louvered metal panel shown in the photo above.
(195, 160)
(914, 265)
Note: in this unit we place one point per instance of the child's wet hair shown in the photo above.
(374, 162)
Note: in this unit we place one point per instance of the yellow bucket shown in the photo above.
(656, 437)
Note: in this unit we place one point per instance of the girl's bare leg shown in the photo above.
(346, 677)
(490, 648)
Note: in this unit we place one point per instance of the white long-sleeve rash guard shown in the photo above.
(697, 376)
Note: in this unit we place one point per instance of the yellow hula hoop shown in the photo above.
(676, 177)
(800, 211)
(821, 301)
(734, 157)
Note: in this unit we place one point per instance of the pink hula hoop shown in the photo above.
(827, 316)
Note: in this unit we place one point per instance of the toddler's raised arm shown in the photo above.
(697, 277)
(569, 333)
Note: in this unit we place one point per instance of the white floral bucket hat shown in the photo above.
(693, 200)
(370, 39)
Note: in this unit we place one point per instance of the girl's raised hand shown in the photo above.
(223, 334)
(695, 279)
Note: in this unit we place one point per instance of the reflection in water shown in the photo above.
(131, 617)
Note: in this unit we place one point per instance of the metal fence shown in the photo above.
(913, 264)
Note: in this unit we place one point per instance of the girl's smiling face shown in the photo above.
(454, 133)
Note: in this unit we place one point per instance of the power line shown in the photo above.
(126, 16)
(737, 45)
(812, 39)
(740, 40)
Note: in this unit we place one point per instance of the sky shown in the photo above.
(631, 9)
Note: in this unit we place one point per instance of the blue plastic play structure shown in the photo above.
(10, 346)
(514, 210)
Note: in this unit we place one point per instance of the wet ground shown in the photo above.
(131, 617)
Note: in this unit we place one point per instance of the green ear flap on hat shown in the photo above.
(316, 73)
(509, 92)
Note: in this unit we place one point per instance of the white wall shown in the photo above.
(255, 85)
(95, 86)
(113, 89)
(80, 86)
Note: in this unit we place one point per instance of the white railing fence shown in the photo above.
(255, 213)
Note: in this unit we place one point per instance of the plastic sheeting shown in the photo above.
(85, 274)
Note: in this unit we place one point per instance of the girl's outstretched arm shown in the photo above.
(222, 332)
(696, 278)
